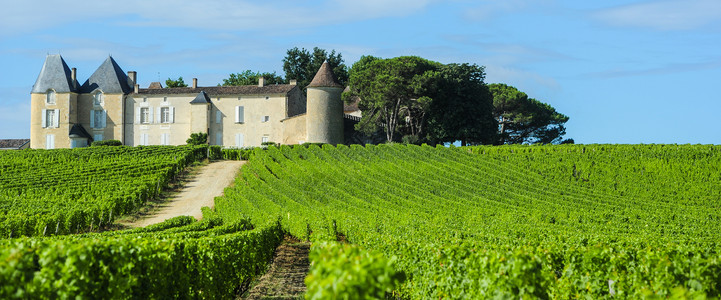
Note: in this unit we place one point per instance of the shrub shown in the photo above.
(198, 138)
(107, 143)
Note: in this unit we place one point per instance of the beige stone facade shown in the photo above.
(109, 105)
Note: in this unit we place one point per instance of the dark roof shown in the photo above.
(223, 90)
(324, 77)
(79, 131)
(13, 143)
(109, 78)
(353, 106)
(56, 75)
(155, 85)
(202, 98)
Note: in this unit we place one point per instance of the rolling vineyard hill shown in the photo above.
(531, 221)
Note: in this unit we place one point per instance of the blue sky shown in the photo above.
(623, 71)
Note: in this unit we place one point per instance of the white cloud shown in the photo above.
(664, 15)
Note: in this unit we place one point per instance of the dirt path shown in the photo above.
(285, 278)
(199, 191)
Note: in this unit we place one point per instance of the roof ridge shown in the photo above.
(55, 75)
(109, 78)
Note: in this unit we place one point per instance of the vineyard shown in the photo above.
(418, 222)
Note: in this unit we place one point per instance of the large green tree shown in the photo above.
(522, 119)
(249, 77)
(170, 83)
(462, 106)
(392, 94)
(302, 65)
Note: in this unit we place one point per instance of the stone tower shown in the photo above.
(53, 105)
(324, 114)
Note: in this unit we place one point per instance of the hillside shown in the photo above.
(419, 222)
(539, 221)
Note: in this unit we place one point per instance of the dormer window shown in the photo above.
(50, 97)
(98, 98)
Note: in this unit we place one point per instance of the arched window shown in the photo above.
(98, 98)
(50, 97)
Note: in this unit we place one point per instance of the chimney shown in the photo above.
(293, 82)
(133, 76)
(137, 88)
(195, 83)
(74, 74)
(261, 82)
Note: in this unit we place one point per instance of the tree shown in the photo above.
(197, 138)
(175, 83)
(525, 120)
(302, 65)
(392, 94)
(249, 77)
(462, 106)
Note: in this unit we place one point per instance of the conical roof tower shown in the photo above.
(109, 77)
(324, 114)
(55, 75)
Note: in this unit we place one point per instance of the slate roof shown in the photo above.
(155, 85)
(324, 77)
(109, 78)
(79, 131)
(13, 143)
(223, 90)
(56, 75)
(202, 98)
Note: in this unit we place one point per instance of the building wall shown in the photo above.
(294, 130)
(324, 119)
(199, 117)
(38, 134)
(177, 131)
(112, 104)
(253, 128)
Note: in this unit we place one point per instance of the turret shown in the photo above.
(324, 114)
(53, 105)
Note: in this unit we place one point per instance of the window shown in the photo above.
(165, 115)
(51, 118)
(50, 141)
(239, 114)
(264, 139)
(219, 138)
(239, 140)
(97, 137)
(165, 139)
(50, 97)
(165, 99)
(265, 119)
(267, 98)
(98, 98)
(144, 115)
(143, 139)
(218, 116)
(97, 119)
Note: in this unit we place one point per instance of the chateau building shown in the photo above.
(111, 105)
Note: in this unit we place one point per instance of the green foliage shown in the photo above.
(203, 260)
(462, 106)
(393, 94)
(548, 222)
(170, 83)
(106, 143)
(342, 271)
(249, 77)
(48, 192)
(525, 120)
(197, 138)
(302, 65)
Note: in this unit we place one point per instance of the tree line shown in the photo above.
(410, 99)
